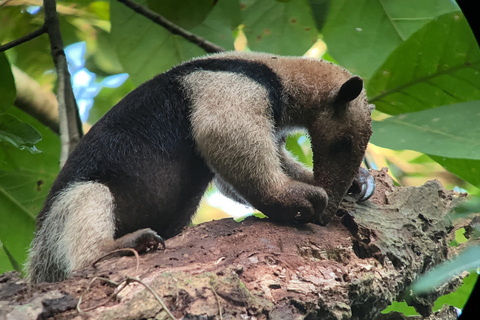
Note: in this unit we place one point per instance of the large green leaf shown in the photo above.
(360, 34)
(320, 9)
(467, 169)
(438, 65)
(186, 13)
(448, 131)
(104, 59)
(25, 179)
(219, 25)
(20, 134)
(146, 49)
(282, 27)
(5, 260)
(7, 85)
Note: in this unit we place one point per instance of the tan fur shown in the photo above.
(78, 228)
(307, 80)
(227, 100)
(295, 169)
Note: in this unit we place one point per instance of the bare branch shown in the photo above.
(70, 124)
(32, 99)
(28, 37)
(173, 28)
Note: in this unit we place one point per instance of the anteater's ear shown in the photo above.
(348, 91)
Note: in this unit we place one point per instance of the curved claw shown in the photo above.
(363, 186)
(368, 188)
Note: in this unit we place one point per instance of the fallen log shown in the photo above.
(353, 268)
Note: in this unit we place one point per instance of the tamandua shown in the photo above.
(138, 175)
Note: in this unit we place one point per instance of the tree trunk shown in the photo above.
(353, 268)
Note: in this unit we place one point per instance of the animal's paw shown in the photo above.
(143, 240)
(297, 202)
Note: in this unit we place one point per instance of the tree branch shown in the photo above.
(173, 28)
(351, 269)
(32, 99)
(28, 37)
(70, 124)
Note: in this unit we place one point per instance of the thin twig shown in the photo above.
(120, 286)
(25, 38)
(102, 303)
(218, 302)
(173, 28)
(129, 279)
(120, 250)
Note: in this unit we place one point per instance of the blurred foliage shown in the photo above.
(468, 260)
(285, 27)
(361, 40)
(141, 44)
(419, 60)
(25, 179)
(6, 83)
(18, 133)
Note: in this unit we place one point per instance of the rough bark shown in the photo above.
(350, 269)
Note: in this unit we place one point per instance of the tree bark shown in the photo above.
(353, 268)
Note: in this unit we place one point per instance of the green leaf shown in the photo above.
(5, 260)
(219, 25)
(20, 134)
(465, 261)
(146, 49)
(460, 297)
(186, 13)
(7, 84)
(401, 307)
(360, 34)
(447, 131)
(302, 151)
(25, 180)
(104, 59)
(100, 9)
(438, 65)
(286, 28)
(320, 9)
(467, 169)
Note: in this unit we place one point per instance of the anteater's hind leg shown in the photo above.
(78, 229)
